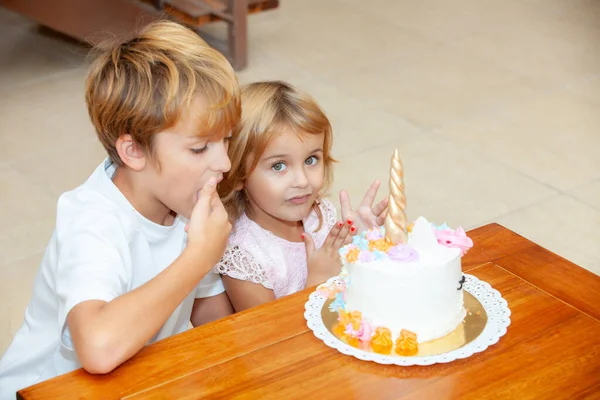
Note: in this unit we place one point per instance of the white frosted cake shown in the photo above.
(399, 295)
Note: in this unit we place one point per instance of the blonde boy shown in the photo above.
(128, 261)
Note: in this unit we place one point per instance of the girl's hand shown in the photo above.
(366, 216)
(325, 262)
(209, 227)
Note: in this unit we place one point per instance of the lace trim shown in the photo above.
(329, 219)
(329, 214)
(239, 264)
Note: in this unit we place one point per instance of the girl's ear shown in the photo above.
(239, 187)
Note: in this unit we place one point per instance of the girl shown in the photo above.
(285, 235)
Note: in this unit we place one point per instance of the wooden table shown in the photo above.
(551, 349)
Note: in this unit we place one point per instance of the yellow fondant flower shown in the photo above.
(379, 244)
(344, 317)
(406, 344)
(352, 255)
(352, 341)
(381, 342)
(339, 330)
(355, 319)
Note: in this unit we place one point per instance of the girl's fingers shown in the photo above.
(381, 217)
(366, 215)
(342, 234)
(345, 204)
(333, 234)
(309, 243)
(348, 238)
(380, 207)
(371, 194)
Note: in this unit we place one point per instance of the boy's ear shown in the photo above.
(130, 152)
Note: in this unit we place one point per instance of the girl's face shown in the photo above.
(287, 180)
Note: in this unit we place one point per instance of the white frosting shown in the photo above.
(420, 296)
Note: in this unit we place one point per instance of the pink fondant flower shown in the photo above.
(365, 331)
(366, 256)
(350, 331)
(374, 234)
(403, 253)
(455, 239)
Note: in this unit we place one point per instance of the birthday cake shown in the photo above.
(399, 286)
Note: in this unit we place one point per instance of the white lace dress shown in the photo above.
(256, 255)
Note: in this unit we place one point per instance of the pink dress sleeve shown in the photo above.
(239, 264)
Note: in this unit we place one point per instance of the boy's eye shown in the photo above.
(278, 167)
(200, 150)
(312, 160)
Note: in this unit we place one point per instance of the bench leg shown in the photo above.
(238, 33)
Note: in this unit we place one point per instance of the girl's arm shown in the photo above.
(245, 294)
(209, 309)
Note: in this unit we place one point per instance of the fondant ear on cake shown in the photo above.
(422, 236)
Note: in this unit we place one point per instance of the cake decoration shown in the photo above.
(395, 219)
(365, 332)
(381, 342)
(454, 238)
(331, 290)
(406, 344)
(338, 303)
(402, 253)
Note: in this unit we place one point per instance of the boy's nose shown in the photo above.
(222, 162)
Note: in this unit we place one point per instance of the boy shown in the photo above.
(128, 262)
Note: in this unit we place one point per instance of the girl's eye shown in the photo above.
(199, 151)
(312, 160)
(278, 167)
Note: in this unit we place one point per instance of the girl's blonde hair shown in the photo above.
(267, 108)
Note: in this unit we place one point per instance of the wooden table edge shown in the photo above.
(496, 261)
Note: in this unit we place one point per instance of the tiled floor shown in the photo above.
(494, 105)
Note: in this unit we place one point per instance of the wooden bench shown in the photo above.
(92, 20)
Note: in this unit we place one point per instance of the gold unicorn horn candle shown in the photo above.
(395, 219)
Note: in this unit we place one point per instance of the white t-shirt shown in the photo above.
(101, 248)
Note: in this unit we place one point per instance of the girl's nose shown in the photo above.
(301, 178)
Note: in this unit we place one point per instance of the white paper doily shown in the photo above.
(498, 319)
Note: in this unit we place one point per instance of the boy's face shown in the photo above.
(287, 178)
(186, 162)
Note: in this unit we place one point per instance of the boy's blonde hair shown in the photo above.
(268, 108)
(140, 87)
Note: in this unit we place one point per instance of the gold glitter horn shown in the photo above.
(395, 219)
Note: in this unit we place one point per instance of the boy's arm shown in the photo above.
(105, 334)
(244, 294)
(209, 309)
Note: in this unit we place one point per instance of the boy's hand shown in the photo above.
(325, 262)
(208, 228)
(366, 216)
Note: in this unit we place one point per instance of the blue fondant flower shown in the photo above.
(338, 303)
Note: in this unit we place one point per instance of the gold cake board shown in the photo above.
(468, 330)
